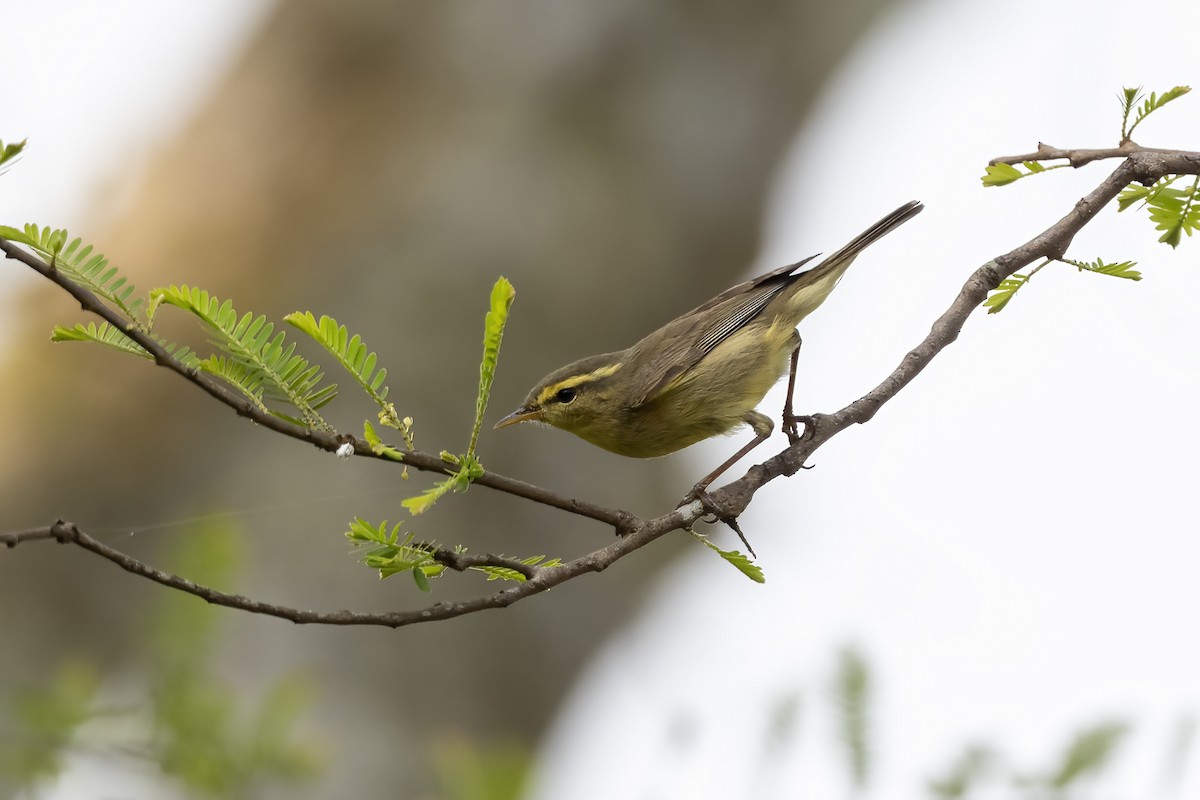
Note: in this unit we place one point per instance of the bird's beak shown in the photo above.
(520, 415)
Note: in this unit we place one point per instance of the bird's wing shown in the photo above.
(680, 347)
(728, 313)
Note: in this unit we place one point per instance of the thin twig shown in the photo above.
(1080, 156)
(539, 579)
(325, 440)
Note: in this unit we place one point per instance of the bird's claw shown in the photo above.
(791, 423)
(699, 492)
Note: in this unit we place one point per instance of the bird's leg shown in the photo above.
(762, 426)
(789, 418)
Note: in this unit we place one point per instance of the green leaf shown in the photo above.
(240, 376)
(14, 235)
(743, 563)
(107, 335)
(1001, 174)
(103, 333)
(363, 531)
(1176, 212)
(1129, 98)
(469, 468)
(378, 447)
(354, 356)
(80, 264)
(853, 693)
(424, 501)
(421, 579)
(504, 573)
(270, 361)
(1090, 751)
(10, 151)
(1004, 174)
(1172, 210)
(460, 481)
(967, 771)
(1121, 269)
(1133, 193)
(493, 333)
(1003, 293)
(390, 555)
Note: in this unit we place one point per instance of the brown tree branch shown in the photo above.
(538, 578)
(1080, 157)
(1143, 165)
(324, 440)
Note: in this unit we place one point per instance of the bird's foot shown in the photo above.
(792, 423)
(699, 492)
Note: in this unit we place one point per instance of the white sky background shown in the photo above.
(1012, 541)
(95, 87)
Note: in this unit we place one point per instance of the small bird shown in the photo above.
(701, 374)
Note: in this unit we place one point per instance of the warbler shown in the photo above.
(701, 374)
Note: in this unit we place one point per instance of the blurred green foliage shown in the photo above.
(203, 734)
(466, 770)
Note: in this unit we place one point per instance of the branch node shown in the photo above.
(64, 532)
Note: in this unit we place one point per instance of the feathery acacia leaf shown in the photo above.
(1003, 293)
(469, 467)
(79, 263)
(350, 351)
(109, 336)
(504, 573)
(1173, 211)
(493, 334)
(390, 555)
(239, 375)
(1129, 98)
(103, 333)
(1136, 192)
(248, 340)
(1176, 212)
(1122, 269)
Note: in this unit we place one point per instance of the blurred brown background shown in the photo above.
(383, 163)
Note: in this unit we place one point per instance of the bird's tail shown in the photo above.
(814, 284)
(874, 233)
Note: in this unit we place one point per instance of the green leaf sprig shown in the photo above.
(468, 468)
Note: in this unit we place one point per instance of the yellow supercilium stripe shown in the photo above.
(576, 380)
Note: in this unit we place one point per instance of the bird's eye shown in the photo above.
(565, 396)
